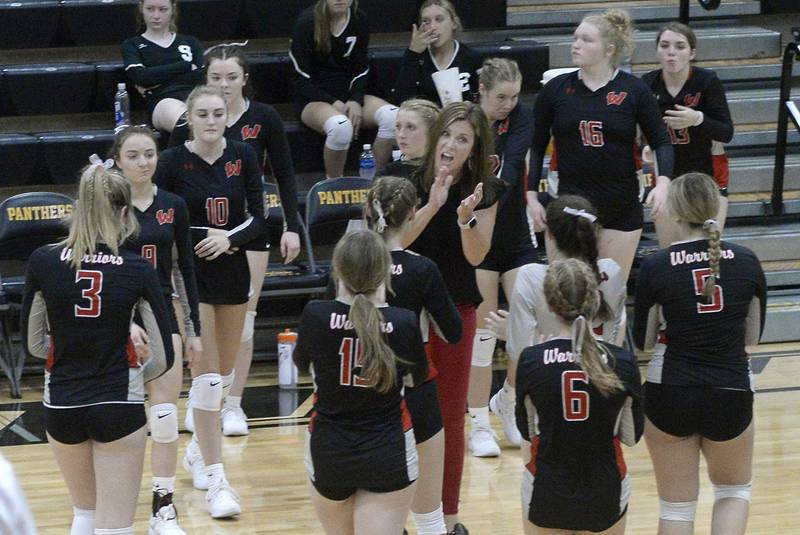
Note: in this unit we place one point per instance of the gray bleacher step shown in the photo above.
(768, 242)
(789, 277)
(783, 317)
(752, 174)
(754, 105)
(760, 138)
(740, 73)
(713, 44)
(551, 15)
(751, 209)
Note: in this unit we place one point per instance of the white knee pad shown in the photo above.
(386, 117)
(483, 348)
(733, 491)
(207, 392)
(249, 326)
(114, 531)
(82, 522)
(227, 383)
(164, 423)
(339, 132)
(677, 511)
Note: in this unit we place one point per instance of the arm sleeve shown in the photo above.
(360, 64)
(280, 160)
(185, 282)
(716, 113)
(405, 87)
(648, 117)
(522, 406)
(142, 75)
(631, 419)
(33, 319)
(522, 324)
(759, 306)
(255, 225)
(543, 116)
(441, 308)
(153, 313)
(419, 359)
(518, 143)
(645, 305)
(301, 49)
(305, 332)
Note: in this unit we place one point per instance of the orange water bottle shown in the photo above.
(287, 371)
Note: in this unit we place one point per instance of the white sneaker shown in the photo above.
(165, 522)
(503, 406)
(193, 463)
(234, 422)
(188, 421)
(223, 502)
(483, 441)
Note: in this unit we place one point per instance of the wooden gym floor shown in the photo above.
(266, 468)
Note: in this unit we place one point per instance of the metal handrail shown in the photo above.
(708, 5)
(787, 111)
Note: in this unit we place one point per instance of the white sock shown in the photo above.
(479, 417)
(165, 484)
(430, 523)
(114, 531)
(233, 402)
(82, 522)
(215, 473)
(509, 392)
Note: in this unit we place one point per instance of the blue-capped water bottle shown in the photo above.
(366, 163)
(122, 108)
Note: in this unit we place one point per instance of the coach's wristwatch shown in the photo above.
(469, 224)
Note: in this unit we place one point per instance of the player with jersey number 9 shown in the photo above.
(79, 297)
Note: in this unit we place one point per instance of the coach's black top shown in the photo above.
(595, 135)
(88, 314)
(261, 127)
(338, 75)
(703, 92)
(415, 77)
(328, 344)
(705, 340)
(227, 194)
(164, 224)
(164, 71)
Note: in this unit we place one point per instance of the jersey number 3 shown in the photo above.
(92, 293)
(574, 403)
(717, 302)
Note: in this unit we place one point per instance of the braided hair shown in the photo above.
(390, 202)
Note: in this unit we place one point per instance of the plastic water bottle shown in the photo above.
(366, 163)
(122, 108)
(287, 371)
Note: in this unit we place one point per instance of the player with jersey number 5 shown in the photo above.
(699, 390)
(593, 114)
(220, 180)
(163, 64)
(330, 54)
(79, 297)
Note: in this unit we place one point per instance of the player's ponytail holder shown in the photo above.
(225, 45)
(710, 223)
(580, 213)
(380, 225)
(578, 334)
(97, 164)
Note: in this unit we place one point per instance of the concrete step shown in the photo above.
(538, 13)
(769, 242)
(725, 43)
(751, 174)
(754, 105)
(759, 136)
(757, 70)
(783, 317)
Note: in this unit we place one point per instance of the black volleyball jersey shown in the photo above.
(227, 194)
(261, 127)
(327, 344)
(595, 135)
(163, 70)
(415, 78)
(88, 314)
(705, 341)
(162, 227)
(703, 92)
(572, 427)
(340, 74)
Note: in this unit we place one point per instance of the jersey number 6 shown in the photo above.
(574, 403)
(92, 293)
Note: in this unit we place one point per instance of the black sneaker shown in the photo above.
(459, 529)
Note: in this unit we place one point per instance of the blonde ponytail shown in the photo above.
(378, 364)
(711, 227)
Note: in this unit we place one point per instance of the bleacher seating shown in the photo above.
(50, 88)
(19, 18)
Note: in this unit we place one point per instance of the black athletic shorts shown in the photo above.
(502, 260)
(224, 280)
(423, 405)
(342, 493)
(717, 414)
(106, 422)
(624, 219)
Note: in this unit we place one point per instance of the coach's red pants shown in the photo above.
(452, 361)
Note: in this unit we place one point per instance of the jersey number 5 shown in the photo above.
(574, 403)
(92, 293)
(592, 133)
(350, 354)
(717, 303)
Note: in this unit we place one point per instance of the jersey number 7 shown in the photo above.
(574, 403)
(92, 293)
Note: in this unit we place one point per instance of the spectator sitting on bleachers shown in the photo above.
(163, 64)
(329, 52)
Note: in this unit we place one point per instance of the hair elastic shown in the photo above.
(578, 332)
(240, 45)
(580, 213)
(97, 163)
(710, 223)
